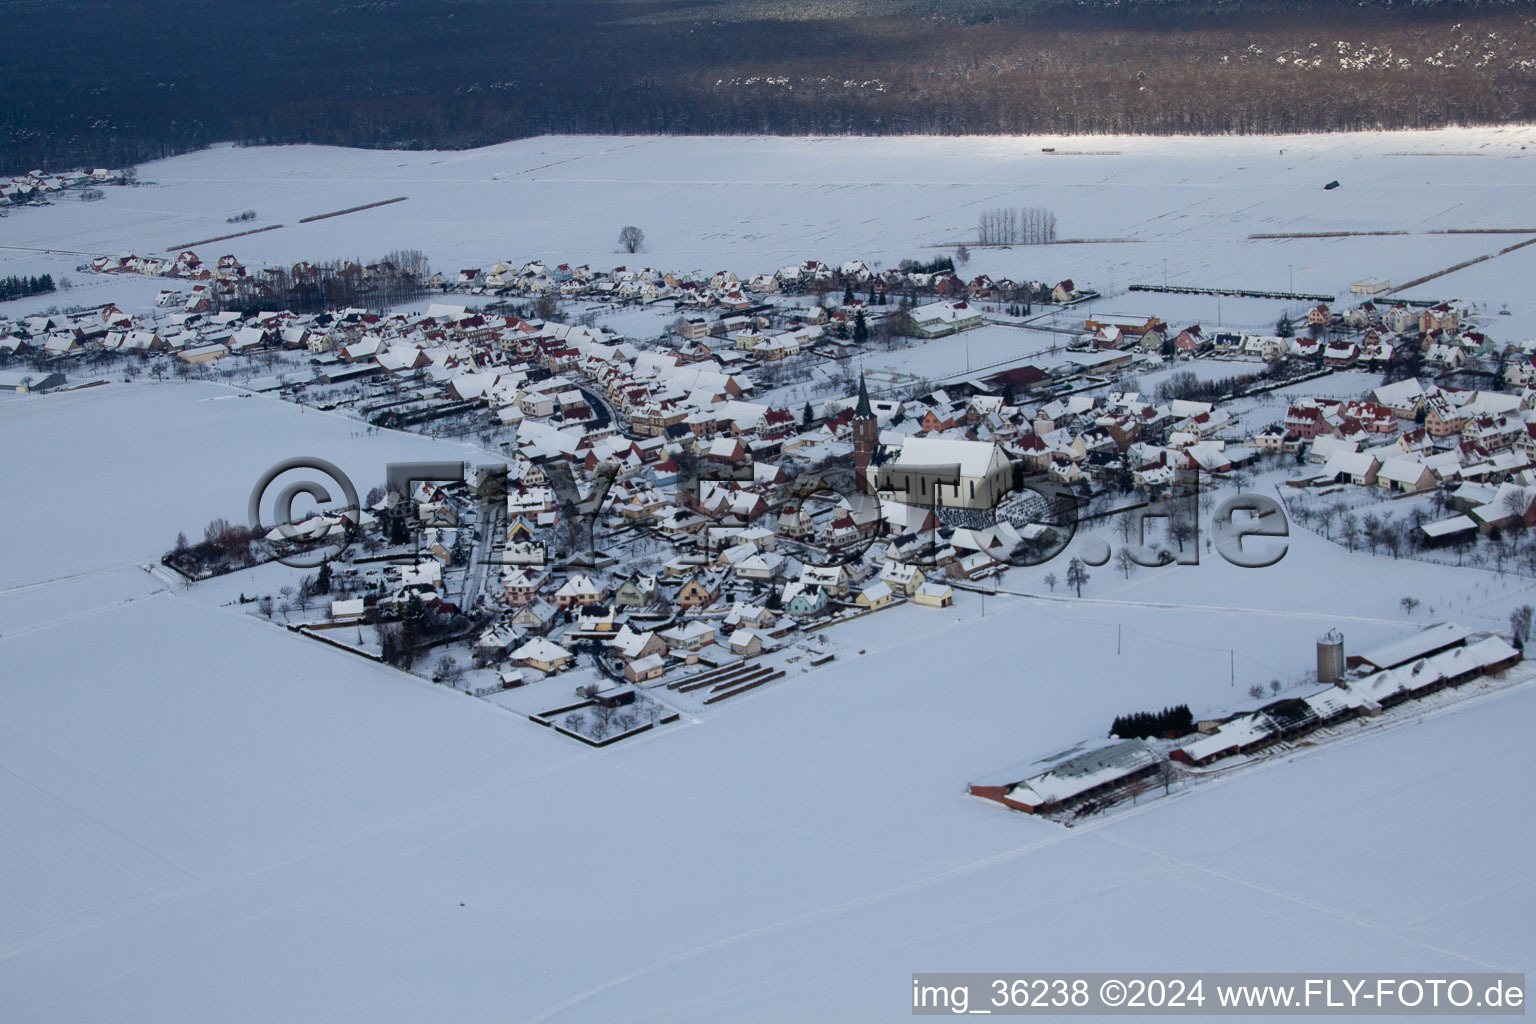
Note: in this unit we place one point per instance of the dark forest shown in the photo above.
(115, 82)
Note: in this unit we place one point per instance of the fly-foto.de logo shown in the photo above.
(825, 516)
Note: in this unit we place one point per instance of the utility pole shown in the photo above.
(1117, 638)
(1165, 272)
(1231, 667)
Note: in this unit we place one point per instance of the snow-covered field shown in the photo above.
(755, 204)
(115, 472)
(206, 817)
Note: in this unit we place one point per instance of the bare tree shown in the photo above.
(1325, 517)
(1051, 581)
(1077, 575)
(1516, 501)
(1124, 562)
(1256, 691)
(1408, 604)
(1349, 529)
(265, 606)
(631, 238)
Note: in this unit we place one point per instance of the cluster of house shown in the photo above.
(726, 290)
(743, 532)
(194, 337)
(216, 285)
(1410, 437)
(1366, 336)
(37, 186)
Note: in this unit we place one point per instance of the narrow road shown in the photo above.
(480, 554)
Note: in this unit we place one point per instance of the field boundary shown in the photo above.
(223, 238)
(352, 209)
(1464, 264)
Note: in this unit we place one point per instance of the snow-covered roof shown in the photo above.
(540, 650)
(973, 457)
(1080, 768)
(1446, 527)
(1404, 471)
(1433, 638)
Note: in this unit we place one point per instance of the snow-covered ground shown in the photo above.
(1187, 205)
(208, 817)
(115, 472)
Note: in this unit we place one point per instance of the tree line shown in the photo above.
(98, 85)
(1140, 725)
(341, 284)
(15, 287)
(1023, 225)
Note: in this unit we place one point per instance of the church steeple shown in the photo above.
(866, 434)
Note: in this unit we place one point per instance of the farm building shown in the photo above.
(1450, 667)
(24, 381)
(1431, 660)
(1432, 640)
(1279, 720)
(1071, 777)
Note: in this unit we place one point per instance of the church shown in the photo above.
(928, 471)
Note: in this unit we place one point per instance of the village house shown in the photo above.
(934, 595)
(938, 319)
(579, 590)
(542, 655)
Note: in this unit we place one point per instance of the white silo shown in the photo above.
(1330, 657)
